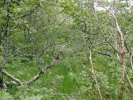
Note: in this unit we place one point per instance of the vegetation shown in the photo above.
(65, 50)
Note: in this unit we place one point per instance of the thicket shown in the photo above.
(65, 50)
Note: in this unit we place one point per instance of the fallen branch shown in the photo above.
(11, 76)
(36, 77)
(44, 69)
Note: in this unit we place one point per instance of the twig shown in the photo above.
(129, 82)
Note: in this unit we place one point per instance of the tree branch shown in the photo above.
(94, 76)
(11, 76)
(39, 75)
(44, 69)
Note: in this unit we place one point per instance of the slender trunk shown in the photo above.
(122, 57)
(94, 76)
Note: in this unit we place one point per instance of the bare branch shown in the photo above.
(121, 50)
(129, 81)
(44, 69)
(39, 75)
(11, 76)
(99, 26)
(94, 76)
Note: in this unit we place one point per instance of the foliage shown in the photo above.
(32, 31)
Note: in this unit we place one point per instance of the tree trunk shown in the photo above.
(122, 61)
